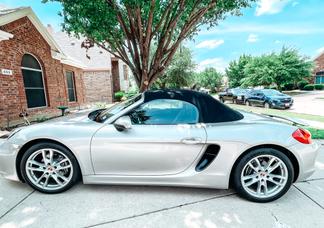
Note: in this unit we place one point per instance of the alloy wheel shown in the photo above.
(264, 176)
(49, 169)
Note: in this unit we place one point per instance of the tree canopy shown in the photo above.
(180, 71)
(278, 69)
(128, 28)
(209, 78)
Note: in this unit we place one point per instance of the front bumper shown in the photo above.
(281, 105)
(8, 155)
(306, 155)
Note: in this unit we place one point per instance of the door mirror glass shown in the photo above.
(123, 123)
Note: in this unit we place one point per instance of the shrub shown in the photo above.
(319, 86)
(288, 86)
(302, 84)
(119, 95)
(309, 87)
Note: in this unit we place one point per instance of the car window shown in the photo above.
(165, 112)
(104, 115)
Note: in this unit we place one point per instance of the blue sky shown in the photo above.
(265, 27)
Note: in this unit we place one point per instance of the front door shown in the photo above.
(165, 139)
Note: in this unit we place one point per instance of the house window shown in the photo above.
(70, 86)
(33, 82)
(319, 78)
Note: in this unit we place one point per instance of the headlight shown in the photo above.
(13, 133)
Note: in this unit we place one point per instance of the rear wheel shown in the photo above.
(247, 103)
(267, 105)
(222, 100)
(49, 168)
(263, 175)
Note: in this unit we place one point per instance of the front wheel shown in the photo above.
(49, 168)
(263, 175)
(267, 105)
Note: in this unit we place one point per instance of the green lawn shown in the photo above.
(316, 133)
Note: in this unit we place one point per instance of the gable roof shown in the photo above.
(99, 59)
(9, 15)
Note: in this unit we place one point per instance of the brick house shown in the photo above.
(103, 75)
(38, 72)
(319, 69)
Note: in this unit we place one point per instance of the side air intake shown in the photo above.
(208, 157)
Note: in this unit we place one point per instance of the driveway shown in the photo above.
(309, 103)
(129, 206)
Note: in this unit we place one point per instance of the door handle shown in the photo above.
(191, 141)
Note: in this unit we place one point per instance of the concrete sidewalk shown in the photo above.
(126, 206)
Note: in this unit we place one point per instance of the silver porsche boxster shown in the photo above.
(162, 137)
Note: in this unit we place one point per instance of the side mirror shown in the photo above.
(123, 123)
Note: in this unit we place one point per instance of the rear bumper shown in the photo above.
(306, 156)
(8, 154)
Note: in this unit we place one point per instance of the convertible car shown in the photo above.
(162, 137)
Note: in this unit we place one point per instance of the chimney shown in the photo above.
(50, 28)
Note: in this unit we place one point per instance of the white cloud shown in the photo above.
(3, 6)
(218, 63)
(252, 38)
(270, 6)
(320, 50)
(210, 44)
(277, 42)
(288, 29)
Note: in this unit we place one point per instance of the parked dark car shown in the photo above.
(235, 95)
(269, 98)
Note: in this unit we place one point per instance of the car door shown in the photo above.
(165, 138)
(259, 100)
(253, 97)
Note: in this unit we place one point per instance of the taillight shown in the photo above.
(303, 136)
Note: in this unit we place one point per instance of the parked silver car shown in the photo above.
(163, 137)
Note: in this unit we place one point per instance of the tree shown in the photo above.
(260, 71)
(286, 67)
(128, 28)
(210, 78)
(180, 71)
(235, 70)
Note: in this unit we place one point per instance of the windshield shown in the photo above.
(271, 92)
(107, 113)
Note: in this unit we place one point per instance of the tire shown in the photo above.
(222, 100)
(244, 175)
(267, 105)
(247, 103)
(49, 175)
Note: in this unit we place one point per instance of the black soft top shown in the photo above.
(210, 109)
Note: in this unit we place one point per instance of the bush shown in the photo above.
(288, 86)
(132, 92)
(309, 87)
(302, 84)
(119, 95)
(319, 86)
